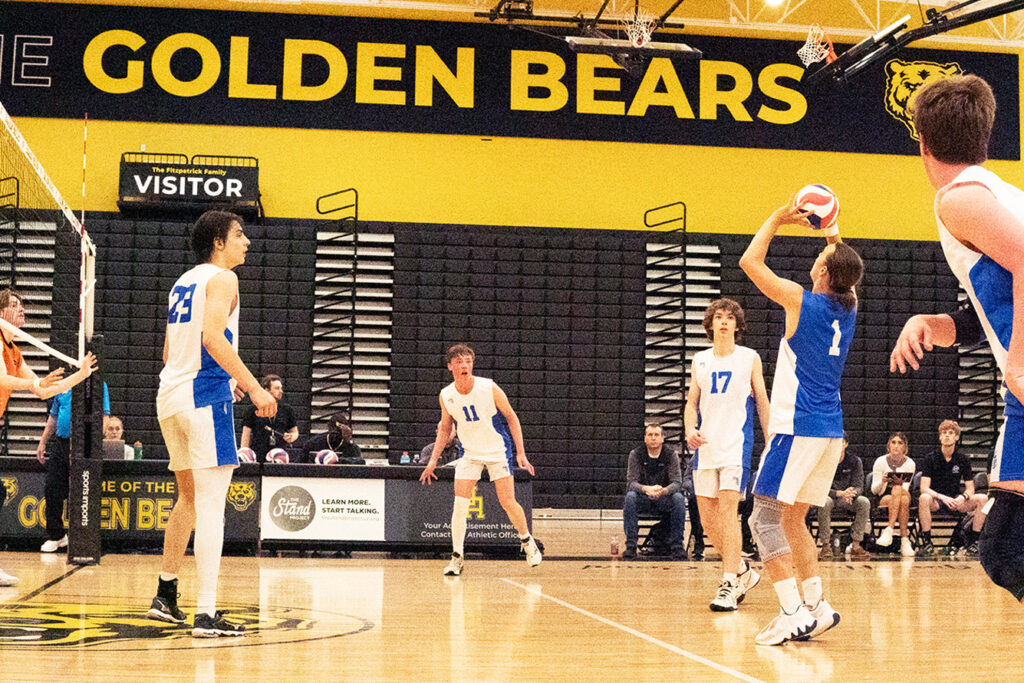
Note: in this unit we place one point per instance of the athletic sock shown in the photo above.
(812, 590)
(459, 511)
(727, 576)
(211, 486)
(524, 539)
(789, 595)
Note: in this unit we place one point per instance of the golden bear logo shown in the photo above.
(476, 506)
(241, 495)
(10, 485)
(903, 80)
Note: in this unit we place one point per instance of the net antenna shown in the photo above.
(817, 47)
(39, 200)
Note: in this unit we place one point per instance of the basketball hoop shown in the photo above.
(637, 24)
(817, 47)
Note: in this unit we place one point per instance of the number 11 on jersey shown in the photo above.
(470, 413)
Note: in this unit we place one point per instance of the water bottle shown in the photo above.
(615, 546)
(138, 450)
(405, 458)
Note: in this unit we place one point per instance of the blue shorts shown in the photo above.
(1008, 458)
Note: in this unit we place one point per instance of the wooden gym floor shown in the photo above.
(372, 618)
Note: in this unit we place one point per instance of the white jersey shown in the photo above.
(988, 284)
(482, 430)
(726, 408)
(191, 378)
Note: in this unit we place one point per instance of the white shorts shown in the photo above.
(798, 469)
(467, 467)
(709, 482)
(201, 437)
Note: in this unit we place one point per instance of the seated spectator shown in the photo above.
(890, 479)
(451, 452)
(263, 433)
(654, 483)
(338, 438)
(696, 528)
(845, 494)
(941, 474)
(113, 430)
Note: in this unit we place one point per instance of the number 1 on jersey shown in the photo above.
(834, 349)
(470, 413)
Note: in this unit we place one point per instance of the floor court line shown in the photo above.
(643, 636)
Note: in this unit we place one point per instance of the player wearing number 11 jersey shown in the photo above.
(488, 430)
(806, 421)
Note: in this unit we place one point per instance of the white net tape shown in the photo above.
(816, 48)
(637, 24)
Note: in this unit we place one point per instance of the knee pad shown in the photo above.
(766, 526)
(1004, 565)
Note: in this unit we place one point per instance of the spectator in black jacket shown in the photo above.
(845, 494)
(654, 484)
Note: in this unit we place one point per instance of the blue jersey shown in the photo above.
(805, 393)
(988, 284)
(61, 409)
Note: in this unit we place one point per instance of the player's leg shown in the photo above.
(467, 474)
(705, 489)
(56, 491)
(696, 527)
(505, 487)
(1001, 546)
(211, 488)
(180, 523)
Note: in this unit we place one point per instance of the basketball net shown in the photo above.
(637, 25)
(817, 47)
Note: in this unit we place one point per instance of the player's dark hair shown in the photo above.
(724, 305)
(460, 349)
(845, 269)
(6, 295)
(954, 118)
(270, 379)
(211, 226)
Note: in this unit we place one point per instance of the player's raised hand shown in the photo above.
(695, 439)
(789, 214)
(89, 366)
(52, 378)
(915, 338)
(428, 472)
(266, 405)
(524, 464)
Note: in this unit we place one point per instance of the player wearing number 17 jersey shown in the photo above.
(488, 430)
(806, 422)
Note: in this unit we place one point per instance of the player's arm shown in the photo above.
(443, 427)
(694, 439)
(973, 216)
(166, 345)
(761, 396)
(786, 293)
(55, 383)
(516, 429)
(221, 294)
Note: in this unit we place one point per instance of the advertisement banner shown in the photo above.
(423, 514)
(131, 507)
(187, 66)
(324, 509)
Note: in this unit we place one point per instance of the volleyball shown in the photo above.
(246, 455)
(278, 455)
(327, 457)
(822, 204)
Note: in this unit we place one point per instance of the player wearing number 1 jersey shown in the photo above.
(202, 376)
(727, 382)
(488, 431)
(806, 422)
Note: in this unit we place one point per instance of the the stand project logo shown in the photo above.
(292, 508)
